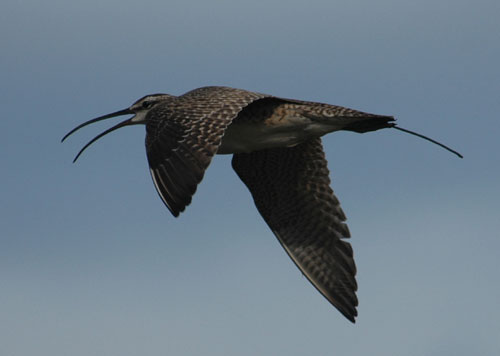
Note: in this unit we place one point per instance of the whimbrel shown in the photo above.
(277, 153)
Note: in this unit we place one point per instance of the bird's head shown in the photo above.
(139, 109)
(143, 106)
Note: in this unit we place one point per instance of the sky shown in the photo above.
(92, 263)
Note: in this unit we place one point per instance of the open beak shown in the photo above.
(100, 118)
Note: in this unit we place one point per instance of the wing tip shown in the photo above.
(173, 206)
(346, 308)
(351, 316)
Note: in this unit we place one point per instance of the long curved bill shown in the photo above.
(100, 118)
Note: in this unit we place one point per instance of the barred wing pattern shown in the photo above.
(291, 189)
(182, 136)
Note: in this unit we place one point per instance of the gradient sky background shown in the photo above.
(92, 263)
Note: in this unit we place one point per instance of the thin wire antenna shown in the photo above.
(428, 139)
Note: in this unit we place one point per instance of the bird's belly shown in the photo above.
(249, 137)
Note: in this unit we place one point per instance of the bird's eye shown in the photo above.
(147, 104)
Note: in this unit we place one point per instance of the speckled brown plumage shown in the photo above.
(291, 189)
(290, 185)
(185, 132)
(278, 155)
(182, 136)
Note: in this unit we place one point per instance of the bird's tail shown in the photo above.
(377, 122)
(371, 123)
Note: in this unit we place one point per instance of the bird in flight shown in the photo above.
(277, 153)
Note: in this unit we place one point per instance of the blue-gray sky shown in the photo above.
(92, 263)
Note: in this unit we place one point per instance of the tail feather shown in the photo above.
(371, 123)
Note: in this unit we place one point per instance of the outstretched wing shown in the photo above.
(291, 189)
(184, 133)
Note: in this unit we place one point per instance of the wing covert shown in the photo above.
(183, 134)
